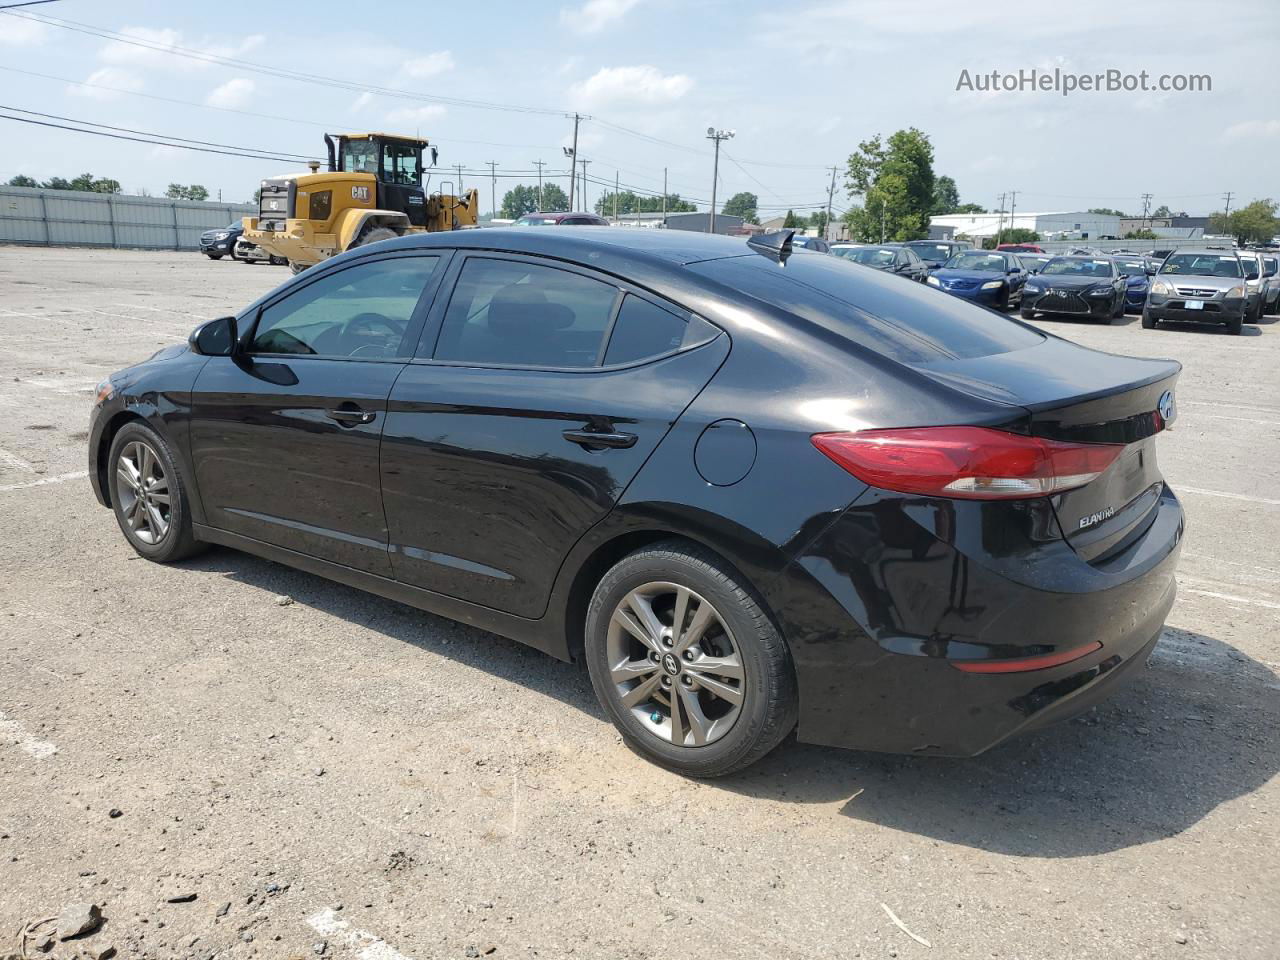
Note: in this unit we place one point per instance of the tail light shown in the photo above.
(971, 463)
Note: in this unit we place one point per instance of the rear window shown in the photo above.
(908, 322)
(871, 256)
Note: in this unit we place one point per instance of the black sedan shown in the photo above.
(1080, 286)
(752, 489)
(893, 258)
(221, 242)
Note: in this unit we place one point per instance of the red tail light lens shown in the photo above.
(971, 463)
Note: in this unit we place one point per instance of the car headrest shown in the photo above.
(519, 309)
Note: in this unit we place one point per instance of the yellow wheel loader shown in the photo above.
(372, 191)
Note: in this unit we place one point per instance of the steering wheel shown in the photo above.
(364, 326)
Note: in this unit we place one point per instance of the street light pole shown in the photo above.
(584, 186)
(717, 136)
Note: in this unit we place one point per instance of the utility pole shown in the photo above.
(1146, 205)
(1000, 222)
(664, 196)
(826, 232)
(539, 164)
(717, 136)
(615, 200)
(882, 219)
(493, 187)
(458, 167)
(572, 154)
(1013, 205)
(584, 185)
(1227, 197)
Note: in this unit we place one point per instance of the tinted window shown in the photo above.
(871, 256)
(934, 252)
(643, 330)
(1066, 267)
(905, 321)
(358, 312)
(1271, 266)
(400, 163)
(982, 262)
(1202, 265)
(506, 311)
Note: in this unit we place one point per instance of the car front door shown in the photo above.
(285, 434)
(539, 392)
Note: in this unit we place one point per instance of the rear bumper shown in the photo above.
(897, 591)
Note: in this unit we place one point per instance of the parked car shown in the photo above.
(560, 220)
(890, 257)
(1271, 302)
(1020, 248)
(935, 253)
(816, 244)
(1080, 286)
(247, 252)
(1034, 262)
(546, 434)
(219, 243)
(1254, 265)
(992, 278)
(1137, 272)
(1208, 286)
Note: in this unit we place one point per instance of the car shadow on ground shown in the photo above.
(1196, 729)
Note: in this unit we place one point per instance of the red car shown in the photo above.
(1019, 248)
(561, 220)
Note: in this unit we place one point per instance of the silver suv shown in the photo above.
(1207, 286)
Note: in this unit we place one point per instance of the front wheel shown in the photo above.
(1148, 321)
(214, 256)
(1235, 325)
(686, 662)
(1027, 313)
(278, 261)
(148, 495)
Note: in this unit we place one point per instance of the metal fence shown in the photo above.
(73, 218)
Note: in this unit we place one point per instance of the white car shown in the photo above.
(252, 253)
(1259, 284)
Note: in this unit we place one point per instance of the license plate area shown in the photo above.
(1195, 304)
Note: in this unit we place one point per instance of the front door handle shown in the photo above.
(350, 416)
(598, 441)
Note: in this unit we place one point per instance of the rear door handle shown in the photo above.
(350, 416)
(591, 439)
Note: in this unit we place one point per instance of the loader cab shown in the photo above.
(395, 162)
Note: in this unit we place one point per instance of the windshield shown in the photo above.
(1063, 267)
(535, 222)
(233, 225)
(359, 156)
(1202, 265)
(983, 262)
(871, 256)
(1131, 266)
(932, 252)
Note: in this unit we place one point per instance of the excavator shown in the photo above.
(373, 190)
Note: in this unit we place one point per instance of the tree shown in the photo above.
(946, 198)
(1162, 211)
(896, 181)
(970, 208)
(518, 201)
(790, 221)
(1141, 235)
(631, 202)
(742, 205)
(178, 191)
(1011, 235)
(92, 184)
(1255, 223)
(1107, 211)
(22, 180)
(818, 221)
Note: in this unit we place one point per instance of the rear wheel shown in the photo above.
(374, 235)
(278, 261)
(148, 495)
(297, 268)
(686, 662)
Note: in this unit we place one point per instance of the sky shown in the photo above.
(799, 83)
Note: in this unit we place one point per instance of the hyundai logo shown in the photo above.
(1166, 407)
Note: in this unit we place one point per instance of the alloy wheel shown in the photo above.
(143, 490)
(674, 664)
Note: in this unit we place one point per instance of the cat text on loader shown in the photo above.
(372, 191)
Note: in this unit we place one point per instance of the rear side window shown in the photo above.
(908, 322)
(512, 312)
(643, 330)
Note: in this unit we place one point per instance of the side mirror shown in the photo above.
(216, 338)
(1251, 275)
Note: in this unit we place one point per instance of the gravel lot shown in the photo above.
(346, 771)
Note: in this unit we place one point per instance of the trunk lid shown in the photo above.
(1077, 395)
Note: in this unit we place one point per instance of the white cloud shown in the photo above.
(413, 116)
(594, 15)
(433, 64)
(643, 84)
(19, 32)
(361, 101)
(107, 83)
(1254, 130)
(121, 52)
(236, 92)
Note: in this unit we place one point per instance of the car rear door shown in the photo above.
(539, 391)
(285, 435)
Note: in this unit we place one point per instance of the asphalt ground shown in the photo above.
(345, 771)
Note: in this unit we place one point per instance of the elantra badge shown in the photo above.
(1098, 517)
(1166, 407)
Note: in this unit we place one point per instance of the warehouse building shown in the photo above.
(1050, 226)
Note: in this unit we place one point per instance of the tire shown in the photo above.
(1002, 306)
(374, 235)
(1148, 321)
(739, 636)
(1118, 312)
(278, 261)
(1235, 325)
(1027, 313)
(1254, 315)
(297, 268)
(140, 452)
(214, 256)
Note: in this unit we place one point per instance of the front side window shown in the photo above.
(1271, 265)
(401, 163)
(361, 312)
(524, 314)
